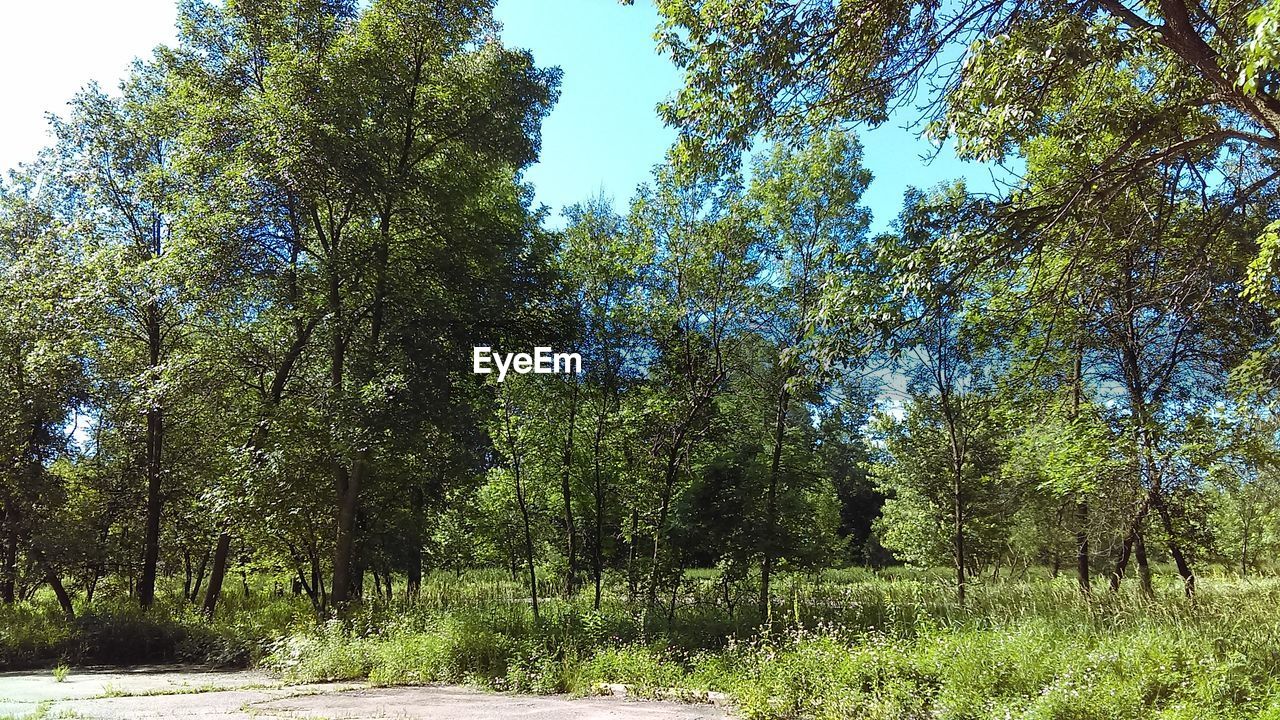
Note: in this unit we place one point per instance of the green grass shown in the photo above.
(862, 647)
(845, 644)
(115, 631)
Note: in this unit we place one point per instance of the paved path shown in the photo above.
(151, 692)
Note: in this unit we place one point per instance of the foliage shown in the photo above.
(240, 294)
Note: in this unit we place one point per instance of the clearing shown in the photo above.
(193, 692)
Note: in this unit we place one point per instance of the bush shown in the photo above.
(851, 645)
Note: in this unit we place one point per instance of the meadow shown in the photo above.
(844, 644)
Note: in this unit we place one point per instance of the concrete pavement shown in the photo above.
(187, 692)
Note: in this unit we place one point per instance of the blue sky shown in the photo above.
(603, 136)
(605, 133)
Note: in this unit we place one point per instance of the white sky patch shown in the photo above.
(51, 49)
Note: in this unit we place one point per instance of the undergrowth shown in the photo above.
(844, 645)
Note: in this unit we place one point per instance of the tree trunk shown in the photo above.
(1122, 561)
(9, 561)
(200, 571)
(513, 443)
(348, 486)
(528, 543)
(60, 592)
(771, 501)
(154, 448)
(217, 573)
(1244, 551)
(356, 586)
(413, 581)
(1082, 546)
(597, 550)
(566, 472)
(664, 509)
(1082, 505)
(633, 574)
(957, 499)
(1144, 569)
(1175, 550)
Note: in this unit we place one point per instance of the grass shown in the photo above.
(855, 648)
(845, 644)
(39, 712)
(61, 672)
(114, 631)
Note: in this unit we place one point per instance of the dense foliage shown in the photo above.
(239, 299)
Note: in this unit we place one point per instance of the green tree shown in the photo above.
(812, 225)
(46, 306)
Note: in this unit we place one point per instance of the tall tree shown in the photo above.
(391, 138)
(813, 227)
(601, 261)
(119, 159)
(706, 258)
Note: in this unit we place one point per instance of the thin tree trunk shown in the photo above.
(1082, 546)
(958, 450)
(1082, 505)
(566, 472)
(597, 551)
(1244, 551)
(1179, 558)
(633, 575)
(664, 508)
(957, 498)
(9, 561)
(524, 509)
(675, 592)
(528, 542)
(413, 581)
(771, 500)
(317, 579)
(200, 571)
(1144, 569)
(60, 592)
(154, 448)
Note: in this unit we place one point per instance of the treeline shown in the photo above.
(240, 298)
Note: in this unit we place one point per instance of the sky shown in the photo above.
(603, 137)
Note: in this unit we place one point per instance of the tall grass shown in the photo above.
(845, 645)
(841, 644)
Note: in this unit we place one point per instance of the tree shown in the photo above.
(390, 139)
(993, 75)
(812, 224)
(705, 261)
(44, 308)
(601, 261)
(952, 413)
(120, 160)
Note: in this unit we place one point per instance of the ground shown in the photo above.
(191, 692)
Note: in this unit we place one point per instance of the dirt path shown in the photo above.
(150, 692)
